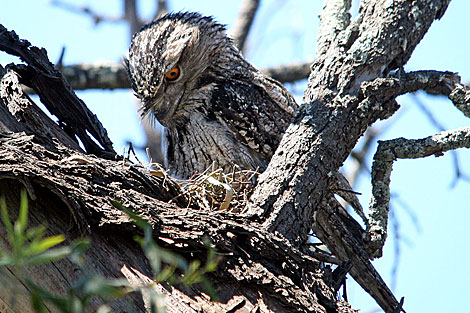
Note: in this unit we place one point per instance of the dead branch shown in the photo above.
(96, 17)
(387, 153)
(162, 8)
(289, 73)
(455, 157)
(45, 79)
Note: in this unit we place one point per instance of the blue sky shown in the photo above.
(432, 268)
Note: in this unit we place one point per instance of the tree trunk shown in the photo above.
(267, 265)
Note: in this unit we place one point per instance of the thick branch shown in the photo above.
(29, 114)
(334, 18)
(288, 279)
(262, 270)
(387, 153)
(50, 85)
(337, 113)
(289, 73)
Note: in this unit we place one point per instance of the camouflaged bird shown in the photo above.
(217, 109)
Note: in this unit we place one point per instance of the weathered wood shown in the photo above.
(40, 74)
(73, 192)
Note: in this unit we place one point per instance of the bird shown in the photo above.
(217, 109)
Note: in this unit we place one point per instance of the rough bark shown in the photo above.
(260, 271)
(267, 266)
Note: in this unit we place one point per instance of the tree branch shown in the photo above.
(162, 8)
(460, 97)
(96, 17)
(338, 109)
(387, 153)
(96, 76)
(244, 22)
(113, 75)
(265, 270)
(336, 113)
(50, 85)
(334, 19)
(29, 114)
(290, 72)
(88, 185)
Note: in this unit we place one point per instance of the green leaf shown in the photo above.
(37, 304)
(6, 260)
(99, 286)
(63, 303)
(48, 256)
(46, 243)
(78, 250)
(6, 218)
(23, 215)
(136, 218)
(103, 309)
(209, 289)
(165, 274)
(35, 233)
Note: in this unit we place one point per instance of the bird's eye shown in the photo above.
(173, 74)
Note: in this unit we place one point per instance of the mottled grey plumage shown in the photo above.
(220, 109)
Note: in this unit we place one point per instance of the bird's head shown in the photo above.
(172, 61)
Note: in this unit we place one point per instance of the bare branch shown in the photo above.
(113, 75)
(433, 82)
(28, 113)
(289, 73)
(457, 169)
(97, 18)
(244, 22)
(387, 153)
(130, 15)
(399, 83)
(96, 76)
(359, 155)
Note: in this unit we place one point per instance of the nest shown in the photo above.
(214, 189)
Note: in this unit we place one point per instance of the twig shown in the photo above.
(108, 75)
(460, 97)
(97, 18)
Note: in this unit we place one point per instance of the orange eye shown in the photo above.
(173, 74)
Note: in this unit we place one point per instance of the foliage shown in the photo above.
(30, 247)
